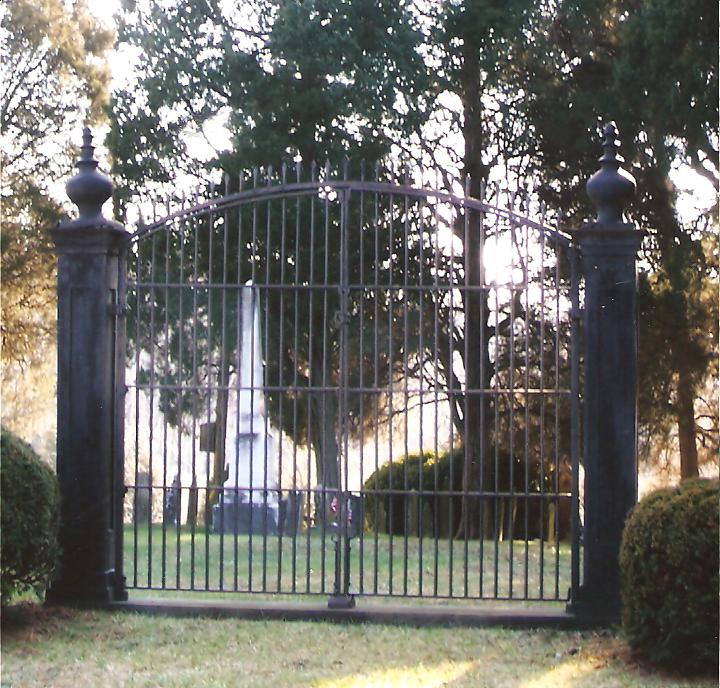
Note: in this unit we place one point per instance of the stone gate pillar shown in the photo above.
(90, 391)
(609, 247)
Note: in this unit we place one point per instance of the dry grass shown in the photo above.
(64, 648)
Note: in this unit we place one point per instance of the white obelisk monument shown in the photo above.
(250, 496)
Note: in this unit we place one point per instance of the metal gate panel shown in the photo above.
(352, 388)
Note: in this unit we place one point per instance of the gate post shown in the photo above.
(609, 248)
(90, 392)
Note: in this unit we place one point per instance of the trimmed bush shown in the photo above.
(440, 514)
(400, 513)
(669, 566)
(29, 519)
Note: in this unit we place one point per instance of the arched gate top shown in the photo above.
(295, 189)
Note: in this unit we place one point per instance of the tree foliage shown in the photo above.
(522, 85)
(53, 76)
(650, 65)
(320, 80)
(316, 80)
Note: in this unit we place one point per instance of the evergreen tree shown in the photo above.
(652, 66)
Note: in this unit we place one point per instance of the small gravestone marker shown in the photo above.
(142, 498)
(171, 502)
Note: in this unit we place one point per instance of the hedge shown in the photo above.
(29, 520)
(669, 568)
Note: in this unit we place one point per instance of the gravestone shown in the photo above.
(171, 503)
(141, 501)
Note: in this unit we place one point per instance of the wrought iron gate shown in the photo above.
(352, 387)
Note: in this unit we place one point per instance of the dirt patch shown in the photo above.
(604, 651)
(27, 620)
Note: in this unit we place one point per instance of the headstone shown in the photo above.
(141, 502)
(171, 503)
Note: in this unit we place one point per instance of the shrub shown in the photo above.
(29, 519)
(440, 514)
(669, 568)
(397, 513)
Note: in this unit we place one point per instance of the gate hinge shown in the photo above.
(117, 309)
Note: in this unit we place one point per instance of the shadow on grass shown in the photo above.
(63, 647)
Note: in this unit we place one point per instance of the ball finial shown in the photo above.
(611, 187)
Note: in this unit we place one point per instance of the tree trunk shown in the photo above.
(674, 245)
(685, 414)
(476, 474)
(323, 433)
(219, 472)
(324, 439)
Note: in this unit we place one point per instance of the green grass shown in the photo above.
(380, 565)
(72, 649)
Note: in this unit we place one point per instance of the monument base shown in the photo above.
(235, 516)
(239, 518)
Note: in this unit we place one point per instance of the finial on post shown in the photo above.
(611, 187)
(89, 188)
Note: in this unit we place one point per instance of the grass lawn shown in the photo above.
(78, 649)
(380, 565)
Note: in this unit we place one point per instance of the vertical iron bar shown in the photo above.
(526, 286)
(311, 379)
(557, 426)
(195, 320)
(181, 289)
(344, 382)
(138, 280)
(238, 340)
(281, 390)
(391, 297)
(451, 293)
(420, 362)
(208, 471)
(497, 398)
(166, 344)
(574, 424)
(484, 294)
(467, 300)
(253, 353)
(361, 355)
(511, 412)
(224, 378)
(406, 296)
(262, 382)
(296, 327)
(151, 428)
(436, 367)
(543, 404)
(325, 381)
(376, 383)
